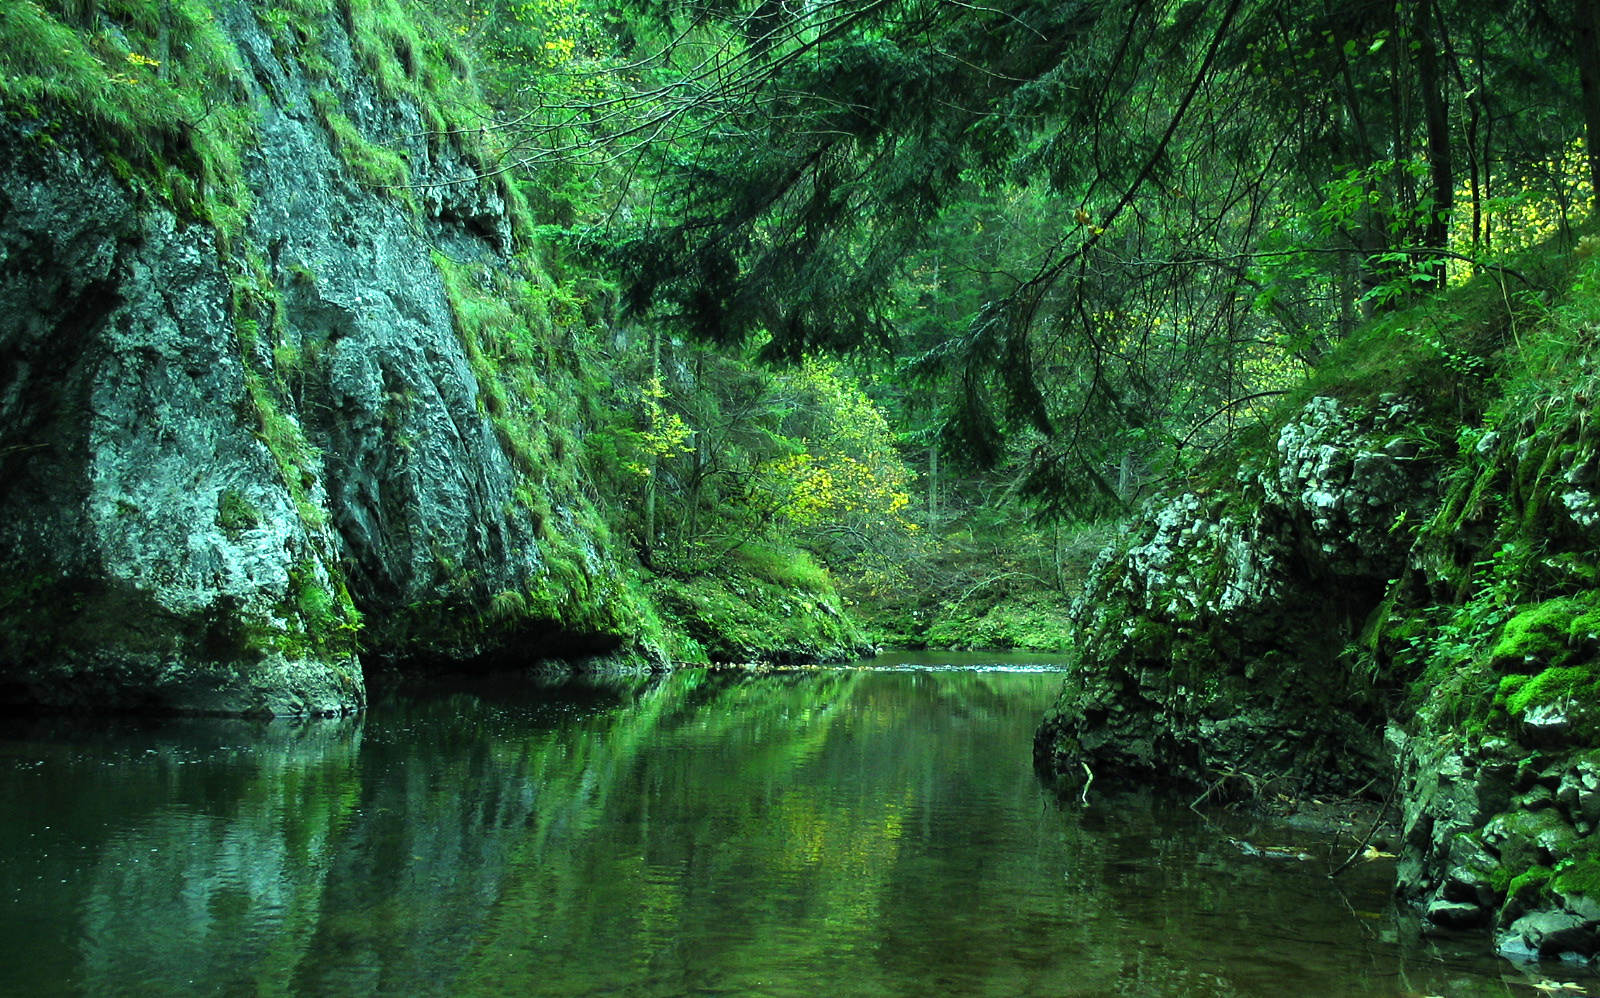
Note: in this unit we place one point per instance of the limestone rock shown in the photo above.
(1549, 934)
(1455, 914)
(1248, 596)
(221, 454)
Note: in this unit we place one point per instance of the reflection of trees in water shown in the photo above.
(186, 854)
(782, 825)
(785, 834)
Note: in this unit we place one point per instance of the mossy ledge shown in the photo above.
(1390, 584)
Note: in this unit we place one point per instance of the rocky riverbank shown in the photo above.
(1388, 589)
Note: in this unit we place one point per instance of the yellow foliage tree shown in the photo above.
(843, 470)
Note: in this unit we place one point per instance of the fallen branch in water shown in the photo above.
(1377, 820)
(1255, 784)
(1084, 796)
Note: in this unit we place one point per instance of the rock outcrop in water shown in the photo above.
(1197, 630)
(241, 426)
(1394, 592)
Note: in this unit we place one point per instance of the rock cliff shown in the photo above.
(1386, 589)
(248, 413)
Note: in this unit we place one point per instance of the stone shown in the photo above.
(1581, 905)
(1549, 723)
(1470, 885)
(1400, 447)
(1456, 914)
(1579, 792)
(1193, 587)
(1550, 934)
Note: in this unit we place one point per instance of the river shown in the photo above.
(857, 832)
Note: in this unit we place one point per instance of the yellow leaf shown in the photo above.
(1552, 987)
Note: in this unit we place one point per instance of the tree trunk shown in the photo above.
(1436, 121)
(700, 457)
(647, 543)
(1587, 40)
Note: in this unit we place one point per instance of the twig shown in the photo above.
(1376, 821)
(1084, 796)
(1226, 406)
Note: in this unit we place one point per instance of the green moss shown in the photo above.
(1585, 627)
(236, 514)
(1543, 633)
(1554, 685)
(317, 619)
(1522, 887)
(298, 461)
(1582, 876)
(1509, 687)
(1531, 838)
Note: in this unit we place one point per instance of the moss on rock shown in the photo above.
(1548, 633)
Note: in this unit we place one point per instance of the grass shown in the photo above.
(376, 165)
(785, 566)
(160, 91)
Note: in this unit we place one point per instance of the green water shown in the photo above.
(815, 833)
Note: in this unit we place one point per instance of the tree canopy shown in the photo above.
(1087, 229)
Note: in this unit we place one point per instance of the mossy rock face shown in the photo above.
(1527, 888)
(1578, 792)
(1554, 910)
(1215, 637)
(1525, 839)
(1578, 886)
(1451, 569)
(1555, 707)
(1548, 633)
(255, 414)
(1524, 893)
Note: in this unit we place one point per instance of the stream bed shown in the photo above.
(854, 832)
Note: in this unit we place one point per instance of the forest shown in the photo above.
(1242, 352)
(910, 300)
(935, 290)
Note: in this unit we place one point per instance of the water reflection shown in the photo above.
(857, 832)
